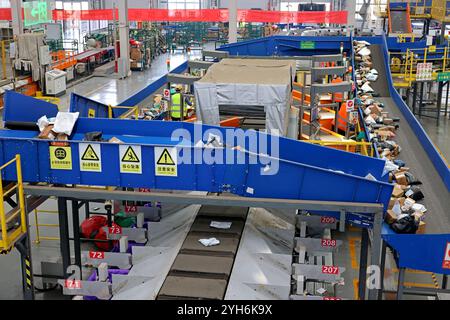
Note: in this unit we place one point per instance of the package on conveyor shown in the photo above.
(58, 128)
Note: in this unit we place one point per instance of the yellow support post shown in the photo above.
(110, 113)
(445, 59)
(3, 219)
(36, 222)
(23, 216)
(4, 60)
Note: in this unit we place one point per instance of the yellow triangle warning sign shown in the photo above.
(90, 155)
(166, 159)
(130, 156)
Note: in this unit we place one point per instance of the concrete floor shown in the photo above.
(440, 135)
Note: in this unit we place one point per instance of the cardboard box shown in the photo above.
(62, 137)
(47, 133)
(391, 217)
(422, 228)
(115, 140)
(397, 192)
(401, 201)
(135, 54)
(401, 178)
(392, 202)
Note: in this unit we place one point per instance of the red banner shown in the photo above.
(204, 15)
(5, 14)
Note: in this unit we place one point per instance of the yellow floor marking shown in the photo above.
(419, 285)
(352, 249)
(355, 289)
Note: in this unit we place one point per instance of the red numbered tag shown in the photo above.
(115, 230)
(330, 270)
(328, 243)
(327, 220)
(331, 298)
(144, 190)
(96, 255)
(130, 209)
(72, 284)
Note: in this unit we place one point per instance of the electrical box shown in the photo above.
(44, 55)
(55, 82)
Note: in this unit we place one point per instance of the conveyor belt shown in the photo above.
(437, 199)
(200, 272)
(399, 21)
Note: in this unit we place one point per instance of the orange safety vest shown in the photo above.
(338, 97)
(342, 125)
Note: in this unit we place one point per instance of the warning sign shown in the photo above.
(167, 94)
(350, 105)
(60, 156)
(91, 113)
(166, 162)
(446, 262)
(130, 159)
(90, 157)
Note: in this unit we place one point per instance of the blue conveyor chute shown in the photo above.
(22, 108)
(306, 171)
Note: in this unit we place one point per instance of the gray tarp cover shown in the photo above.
(247, 82)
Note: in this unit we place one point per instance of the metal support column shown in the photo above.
(64, 234)
(382, 270)
(414, 98)
(439, 102)
(351, 16)
(124, 36)
(401, 280)
(232, 21)
(23, 246)
(376, 248)
(444, 281)
(363, 264)
(76, 232)
(16, 12)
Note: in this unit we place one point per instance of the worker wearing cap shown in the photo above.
(175, 109)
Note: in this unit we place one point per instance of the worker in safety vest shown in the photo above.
(175, 108)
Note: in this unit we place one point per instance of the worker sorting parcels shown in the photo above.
(175, 109)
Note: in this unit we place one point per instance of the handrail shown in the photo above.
(133, 109)
(9, 238)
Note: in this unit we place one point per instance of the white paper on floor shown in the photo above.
(220, 225)
(209, 242)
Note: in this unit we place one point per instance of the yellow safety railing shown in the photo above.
(420, 9)
(4, 44)
(10, 232)
(127, 114)
(38, 226)
(440, 10)
(364, 148)
(406, 37)
(406, 69)
(53, 100)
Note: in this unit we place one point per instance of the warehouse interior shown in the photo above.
(224, 150)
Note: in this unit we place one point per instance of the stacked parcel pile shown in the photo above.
(405, 214)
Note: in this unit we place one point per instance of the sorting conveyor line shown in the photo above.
(200, 272)
(437, 199)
